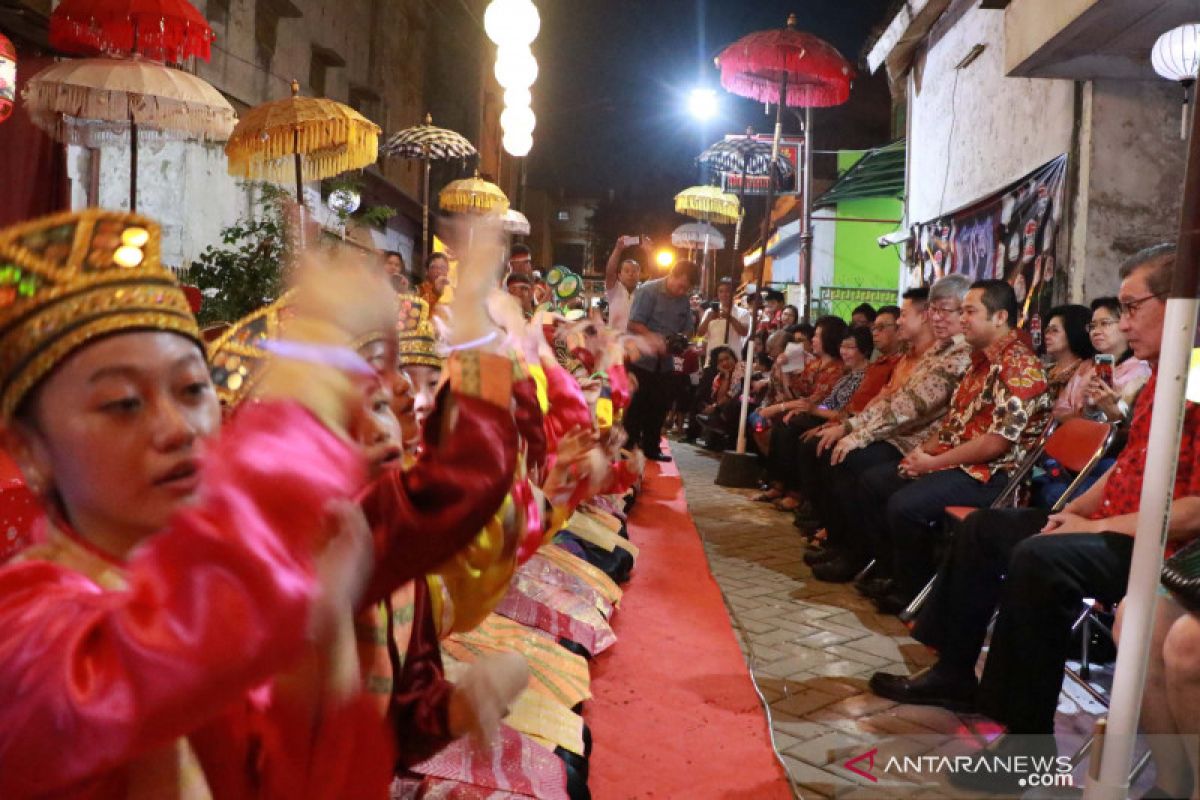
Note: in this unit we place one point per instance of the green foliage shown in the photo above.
(249, 269)
(376, 216)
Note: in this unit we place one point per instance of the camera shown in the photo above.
(677, 343)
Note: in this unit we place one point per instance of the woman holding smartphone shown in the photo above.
(1110, 399)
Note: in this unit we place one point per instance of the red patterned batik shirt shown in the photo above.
(1004, 392)
(1123, 489)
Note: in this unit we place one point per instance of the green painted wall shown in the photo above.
(858, 259)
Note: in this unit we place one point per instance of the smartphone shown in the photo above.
(751, 289)
(633, 241)
(1104, 367)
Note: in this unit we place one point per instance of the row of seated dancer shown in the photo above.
(954, 400)
(359, 545)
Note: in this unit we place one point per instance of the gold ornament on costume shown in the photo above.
(419, 346)
(70, 278)
(236, 358)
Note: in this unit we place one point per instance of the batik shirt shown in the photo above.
(1004, 393)
(817, 379)
(843, 390)
(1123, 489)
(906, 417)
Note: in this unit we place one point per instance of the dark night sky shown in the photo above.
(615, 74)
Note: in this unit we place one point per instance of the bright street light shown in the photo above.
(702, 103)
(665, 258)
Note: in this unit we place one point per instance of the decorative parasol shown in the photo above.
(96, 100)
(473, 196)
(789, 68)
(310, 137)
(164, 30)
(698, 234)
(515, 222)
(745, 156)
(709, 204)
(427, 143)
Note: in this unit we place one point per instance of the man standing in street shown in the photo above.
(621, 277)
(660, 309)
(726, 325)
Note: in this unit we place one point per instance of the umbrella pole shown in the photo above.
(133, 161)
(807, 237)
(425, 215)
(704, 276)
(762, 260)
(1179, 330)
(299, 185)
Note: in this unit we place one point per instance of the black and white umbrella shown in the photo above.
(747, 157)
(428, 143)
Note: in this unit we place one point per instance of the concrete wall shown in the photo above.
(1132, 165)
(973, 130)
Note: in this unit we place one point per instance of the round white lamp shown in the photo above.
(517, 143)
(518, 119)
(516, 67)
(1176, 57)
(512, 22)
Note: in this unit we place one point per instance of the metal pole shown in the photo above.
(806, 236)
(745, 412)
(299, 167)
(133, 161)
(1179, 331)
(425, 215)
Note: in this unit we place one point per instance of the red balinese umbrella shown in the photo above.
(795, 69)
(163, 30)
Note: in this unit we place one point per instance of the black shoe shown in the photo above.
(927, 688)
(661, 457)
(875, 587)
(893, 602)
(819, 555)
(840, 569)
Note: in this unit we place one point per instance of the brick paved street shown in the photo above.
(813, 645)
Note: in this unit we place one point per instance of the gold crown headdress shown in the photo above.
(236, 359)
(70, 278)
(419, 346)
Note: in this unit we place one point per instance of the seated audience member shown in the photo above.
(788, 317)
(720, 409)
(727, 324)
(1172, 696)
(435, 280)
(997, 412)
(855, 351)
(808, 388)
(393, 265)
(520, 286)
(1129, 374)
(788, 354)
(1039, 567)
(895, 423)
(863, 316)
(1069, 349)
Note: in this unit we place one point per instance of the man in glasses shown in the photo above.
(1039, 566)
(899, 419)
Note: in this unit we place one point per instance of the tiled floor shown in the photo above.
(814, 645)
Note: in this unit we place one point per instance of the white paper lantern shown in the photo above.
(516, 67)
(1176, 54)
(517, 143)
(517, 96)
(1176, 57)
(518, 119)
(344, 201)
(512, 22)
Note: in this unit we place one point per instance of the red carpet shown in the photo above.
(674, 712)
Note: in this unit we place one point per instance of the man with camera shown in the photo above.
(723, 323)
(621, 277)
(659, 311)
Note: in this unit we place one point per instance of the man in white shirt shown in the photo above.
(620, 280)
(727, 324)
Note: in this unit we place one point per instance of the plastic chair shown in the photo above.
(1078, 444)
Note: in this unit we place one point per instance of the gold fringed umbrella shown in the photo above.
(708, 204)
(473, 196)
(322, 137)
(95, 101)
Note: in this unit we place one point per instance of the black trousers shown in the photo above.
(783, 462)
(1048, 578)
(913, 512)
(648, 409)
(839, 489)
